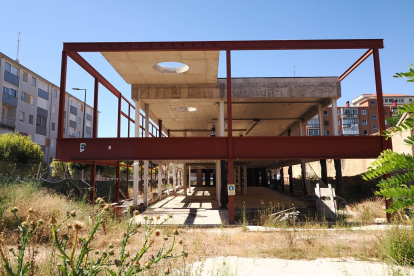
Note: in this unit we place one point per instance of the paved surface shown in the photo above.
(272, 266)
(200, 206)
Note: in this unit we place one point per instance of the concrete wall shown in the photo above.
(324, 87)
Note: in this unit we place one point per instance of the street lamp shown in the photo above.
(84, 111)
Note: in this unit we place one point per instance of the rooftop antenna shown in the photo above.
(294, 67)
(18, 47)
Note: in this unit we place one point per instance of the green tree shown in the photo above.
(399, 165)
(17, 148)
(58, 169)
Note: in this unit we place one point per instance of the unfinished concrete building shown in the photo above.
(216, 127)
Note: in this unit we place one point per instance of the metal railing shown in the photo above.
(8, 121)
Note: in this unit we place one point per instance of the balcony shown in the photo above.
(9, 99)
(73, 110)
(8, 121)
(72, 124)
(89, 117)
(41, 130)
(13, 79)
(344, 116)
(88, 130)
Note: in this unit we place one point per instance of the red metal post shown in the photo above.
(92, 181)
(127, 181)
(386, 144)
(168, 133)
(129, 118)
(62, 93)
(119, 117)
(118, 180)
(159, 128)
(229, 137)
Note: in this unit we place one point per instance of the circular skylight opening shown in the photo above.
(171, 67)
(185, 109)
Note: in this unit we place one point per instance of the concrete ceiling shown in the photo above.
(138, 67)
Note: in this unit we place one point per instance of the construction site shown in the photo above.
(219, 144)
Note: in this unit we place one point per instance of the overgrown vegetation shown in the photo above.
(17, 148)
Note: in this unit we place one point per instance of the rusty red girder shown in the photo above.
(225, 45)
(356, 64)
(215, 148)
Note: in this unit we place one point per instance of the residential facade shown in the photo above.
(359, 118)
(30, 104)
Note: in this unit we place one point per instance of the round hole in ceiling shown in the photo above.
(185, 109)
(171, 67)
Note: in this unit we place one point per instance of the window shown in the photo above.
(88, 135)
(11, 69)
(22, 116)
(365, 132)
(410, 100)
(374, 127)
(54, 109)
(386, 122)
(34, 81)
(385, 112)
(31, 119)
(374, 117)
(386, 100)
(23, 97)
(391, 100)
(339, 123)
(53, 126)
(10, 91)
(337, 112)
(364, 122)
(326, 132)
(325, 113)
(363, 112)
(326, 123)
(339, 132)
(41, 121)
(25, 76)
(400, 100)
(78, 134)
(55, 93)
(79, 120)
(372, 102)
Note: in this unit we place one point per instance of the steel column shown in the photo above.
(386, 144)
(62, 93)
(159, 128)
(229, 137)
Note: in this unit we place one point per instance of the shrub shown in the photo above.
(398, 244)
(17, 148)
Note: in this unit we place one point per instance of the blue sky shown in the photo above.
(45, 25)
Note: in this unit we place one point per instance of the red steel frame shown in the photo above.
(229, 148)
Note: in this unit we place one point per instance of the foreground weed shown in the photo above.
(124, 264)
(28, 229)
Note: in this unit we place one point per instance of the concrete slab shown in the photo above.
(200, 207)
(272, 266)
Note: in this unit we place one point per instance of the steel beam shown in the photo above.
(215, 148)
(225, 45)
(356, 64)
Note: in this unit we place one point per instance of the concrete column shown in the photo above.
(218, 180)
(185, 179)
(159, 180)
(334, 117)
(221, 118)
(146, 161)
(245, 180)
(185, 134)
(174, 175)
(239, 179)
(189, 179)
(136, 162)
(167, 174)
(300, 127)
(321, 123)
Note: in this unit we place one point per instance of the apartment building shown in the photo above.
(359, 118)
(30, 103)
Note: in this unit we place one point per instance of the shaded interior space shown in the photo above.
(200, 206)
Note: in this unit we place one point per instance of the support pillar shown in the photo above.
(304, 186)
(127, 182)
(324, 172)
(159, 181)
(282, 180)
(92, 183)
(386, 144)
(218, 181)
(145, 196)
(321, 122)
(117, 183)
(239, 180)
(136, 162)
(290, 180)
(185, 179)
(189, 179)
(245, 180)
